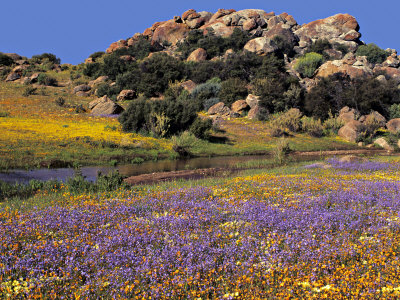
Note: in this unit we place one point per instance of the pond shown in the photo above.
(62, 174)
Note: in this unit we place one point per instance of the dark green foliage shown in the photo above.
(161, 118)
(342, 48)
(30, 90)
(231, 90)
(210, 102)
(241, 65)
(278, 93)
(214, 45)
(200, 72)
(373, 53)
(319, 46)
(327, 97)
(283, 46)
(140, 49)
(156, 73)
(370, 94)
(271, 66)
(104, 183)
(364, 94)
(394, 111)
(203, 92)
(60, 101)
(5, 60)
(105, 89)
(23, 191)
(307, 64)
(46, 57)
(201, 128)
(92, 70)
(96, 55)
(44, 79)
(113, 66)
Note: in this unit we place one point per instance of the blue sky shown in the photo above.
(76, 28)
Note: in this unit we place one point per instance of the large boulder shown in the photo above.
(283, 31)
(189, 85)
(240, 107)
(126, 95)
(98, 80)
(252, 100)
(82, 88)
(194, 19)
(347, 114)
(218, 28)
(260, 45)
(353, 69)
(170, 32)
(384, 144)
(392, 61)
(198, 55)
(219, 109)
(393, 125)
(104, 106)
(393, 73)
(254, 112)
(351, 131)
(338, 27)
(374, 119)
(13, 76)
(117, 45)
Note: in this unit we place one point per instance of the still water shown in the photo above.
(23, 176)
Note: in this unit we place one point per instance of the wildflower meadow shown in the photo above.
(300, 233)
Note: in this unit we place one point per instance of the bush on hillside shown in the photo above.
(47, 80)
(5, 60)
(49, 57)
(394, 111)
(96, 55)
(201, 128)
(312, 126)
(160, 118)
(307, 64)
(231, 90)
(203, 92)
(374, 54)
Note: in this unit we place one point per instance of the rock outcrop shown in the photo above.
(340, 28)
(240, 107)
(394, 125)
(219, 109)
(126, 95)
(351, 131)
(198, 55)
(104, 106)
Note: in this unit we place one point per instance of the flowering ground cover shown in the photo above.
(299, 234)
(35, 131)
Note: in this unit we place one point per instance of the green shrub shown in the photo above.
(319, 46)
(373, 53)
(287, 121)
(4, 71)
(160, 118)
(4, 114)
(183, 143)
(210, 102)
(394, 111)
(105, 89)
(332, 124)
(231, 90)
(307, 64)
(60, 101)
(281, 150)
(96, 55)
(46, 57)
(312, 126)
(205, 91)
(201, 128)
(5, 60)
(30, 90)
(44, 79)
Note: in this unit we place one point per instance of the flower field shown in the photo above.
(311, 233)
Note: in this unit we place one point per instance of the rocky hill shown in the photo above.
(339, 30)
